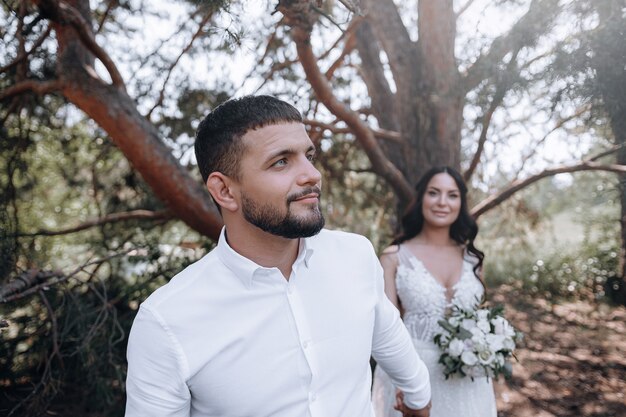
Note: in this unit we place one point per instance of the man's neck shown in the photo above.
(263, 248)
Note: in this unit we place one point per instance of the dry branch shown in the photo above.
(496, 199)
(34, 280)
(24, 281)
(111, 218)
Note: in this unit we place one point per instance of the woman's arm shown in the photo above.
(389, 262)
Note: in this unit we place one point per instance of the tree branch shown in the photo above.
(63, 13)
(23, 55)
(496, 199)
(559, 124)
(186, 49)
(373, 73)
(348, 47)
(25, 281)
(354, 8)
(501, 89)
(105, 15)
(392, 34)
(33, 280)
(495, 102)
(55, 330)
(301, 24)
(533, 24)
(37, 87)
(111, 218)
(608, 152)
(379, 133)
(464, 8)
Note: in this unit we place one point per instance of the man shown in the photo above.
(281, 317)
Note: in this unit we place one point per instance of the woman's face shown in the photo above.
(441, 203)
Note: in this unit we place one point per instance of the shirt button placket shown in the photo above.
(315, 408)
(304, 336)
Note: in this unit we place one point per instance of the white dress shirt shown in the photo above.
(229, 338)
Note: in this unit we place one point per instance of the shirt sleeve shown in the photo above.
(154, 383)
(394, 352)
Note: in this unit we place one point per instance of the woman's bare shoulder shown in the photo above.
(391, 250)
(389, 256)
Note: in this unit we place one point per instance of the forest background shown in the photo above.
(100, 201)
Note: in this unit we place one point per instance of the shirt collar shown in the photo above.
(245, 269)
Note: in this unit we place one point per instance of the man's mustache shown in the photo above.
(306, 191)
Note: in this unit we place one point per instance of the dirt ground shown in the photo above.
(572, 361)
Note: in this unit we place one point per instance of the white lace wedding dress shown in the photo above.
(424, 301)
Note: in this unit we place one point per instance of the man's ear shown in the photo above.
(219, 185)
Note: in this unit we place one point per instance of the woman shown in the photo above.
(431, 266)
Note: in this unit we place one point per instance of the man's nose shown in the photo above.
(309, 174)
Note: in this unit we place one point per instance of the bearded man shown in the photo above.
(280, 319)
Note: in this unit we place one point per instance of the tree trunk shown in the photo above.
(114, 111)
(609, 63)
(428, 102)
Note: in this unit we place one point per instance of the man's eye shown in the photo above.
(311, 158)
(280, 163)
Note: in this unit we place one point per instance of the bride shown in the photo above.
(431, 266)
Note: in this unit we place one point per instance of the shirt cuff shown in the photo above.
(420, 397)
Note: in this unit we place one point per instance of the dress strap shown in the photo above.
(404, 256)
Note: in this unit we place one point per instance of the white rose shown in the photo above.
(469, 358)
(508, 343)
(486, 357)
(498, 325)
(482, 314)
(508, 329)
(468, 324)
(456, 348)
(483, 325)
(476, 332)
(478, 337)
(495, 342)
(501, 326)
(454, 321)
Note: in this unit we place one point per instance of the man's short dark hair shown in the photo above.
(218, 143)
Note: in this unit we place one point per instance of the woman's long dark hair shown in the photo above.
(463, 230)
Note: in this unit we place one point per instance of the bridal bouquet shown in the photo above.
(476, 343)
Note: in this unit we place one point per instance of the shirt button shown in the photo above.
(305, 344)
(290, 290)
(313, 397)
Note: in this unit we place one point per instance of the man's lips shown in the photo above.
(309, 198)
(308, 195)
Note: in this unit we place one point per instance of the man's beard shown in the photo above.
(269, 219)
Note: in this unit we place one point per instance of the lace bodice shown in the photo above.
(424, 298)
